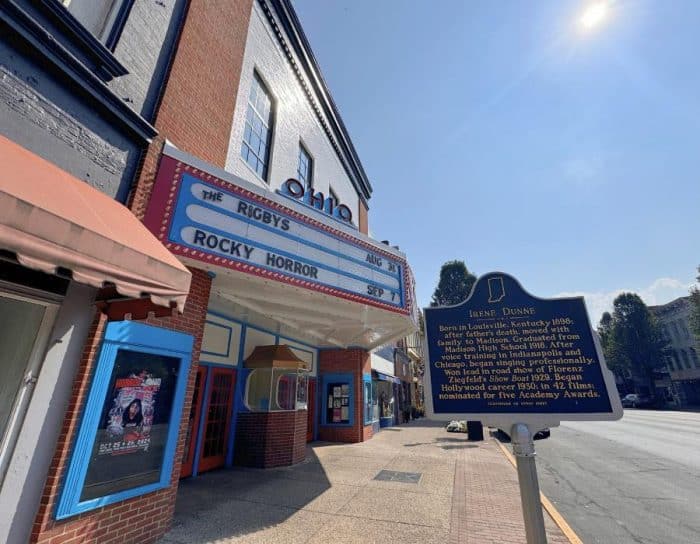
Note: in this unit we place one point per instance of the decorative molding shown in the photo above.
(300, 46)
(107, 63)
(66, 64)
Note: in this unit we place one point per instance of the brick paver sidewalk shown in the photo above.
(466, 492)
(486, 505)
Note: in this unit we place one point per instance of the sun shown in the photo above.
(594, 15)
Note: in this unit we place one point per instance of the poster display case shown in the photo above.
(128, 435)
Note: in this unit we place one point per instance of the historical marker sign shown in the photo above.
(505, 357)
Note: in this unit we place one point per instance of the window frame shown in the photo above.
(303, 150)
(333, 196)
(344, 378)
(20, 404)
(124, 335)
(367, 402)
(258, 80)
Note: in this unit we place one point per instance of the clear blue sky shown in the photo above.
(499, 133)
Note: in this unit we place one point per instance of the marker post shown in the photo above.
(524, 451)
(520, 363)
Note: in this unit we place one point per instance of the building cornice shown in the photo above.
(103, 58)
(41, 42)
(297, 49)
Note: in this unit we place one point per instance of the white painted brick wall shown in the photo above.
(294, 120)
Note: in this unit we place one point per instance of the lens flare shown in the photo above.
(594, 15)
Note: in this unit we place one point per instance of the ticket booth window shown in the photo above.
(278, 380)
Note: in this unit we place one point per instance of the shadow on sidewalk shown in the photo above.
(231, 503)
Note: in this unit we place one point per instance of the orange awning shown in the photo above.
(50, 219)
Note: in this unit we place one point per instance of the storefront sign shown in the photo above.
(224, 224)
(295, 189)
(506, 356)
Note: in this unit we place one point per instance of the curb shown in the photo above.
(546, 503)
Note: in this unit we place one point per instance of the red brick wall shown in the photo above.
(270, 439)
(196, 108)
(195, 113)
(362, 221)
(355, 362)
(144, 519)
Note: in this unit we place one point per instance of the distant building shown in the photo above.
(683, 362)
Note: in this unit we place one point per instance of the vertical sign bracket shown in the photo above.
(524, 450)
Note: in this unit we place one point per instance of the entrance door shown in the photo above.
(193, 423)
(311, 407)
(218, 419)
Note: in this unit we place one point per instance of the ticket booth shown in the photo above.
(271, 429)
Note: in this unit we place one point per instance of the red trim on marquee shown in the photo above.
(159, 217)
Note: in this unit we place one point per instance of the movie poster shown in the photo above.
(130, 440)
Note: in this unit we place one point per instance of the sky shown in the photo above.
(503, 134)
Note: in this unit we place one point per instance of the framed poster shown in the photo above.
(337, 406)
(127, 438)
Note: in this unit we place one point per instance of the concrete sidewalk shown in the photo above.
(467, 493)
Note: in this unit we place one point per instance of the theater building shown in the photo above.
(246, 328)
(78, 91)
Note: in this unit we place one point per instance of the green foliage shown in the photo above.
(695, 309)
(605, 333)
(455, 284)
(631, 339)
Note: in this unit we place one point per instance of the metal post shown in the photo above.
(524, 450)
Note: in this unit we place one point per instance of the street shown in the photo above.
(634, 480)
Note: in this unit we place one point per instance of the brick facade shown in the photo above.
(362, 221)
(145, 518)
(192, 114)
(357, 363)
(270, 439)
(196, 108)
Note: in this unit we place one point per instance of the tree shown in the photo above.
(455, 284)
(695, 308)
(634, 340)
(605, 332)
(605, 327)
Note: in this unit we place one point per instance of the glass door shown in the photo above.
(218, 419)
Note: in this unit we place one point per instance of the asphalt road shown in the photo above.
(636, 480)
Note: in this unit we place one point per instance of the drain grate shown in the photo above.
(395, 476)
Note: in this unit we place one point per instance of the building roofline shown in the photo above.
(669, 306)
(302, 49)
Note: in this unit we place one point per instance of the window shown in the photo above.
(257, 135)
(287, 388)
(104, 19)
(305, 169)
(676, 360)
(338, 406)
(686, 361)
(337, 399)
(368, 411)
(334, 197)
(24, 324)
(128, 435)
(694, 357)
(258, 391)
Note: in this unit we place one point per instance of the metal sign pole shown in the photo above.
(524, 450)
